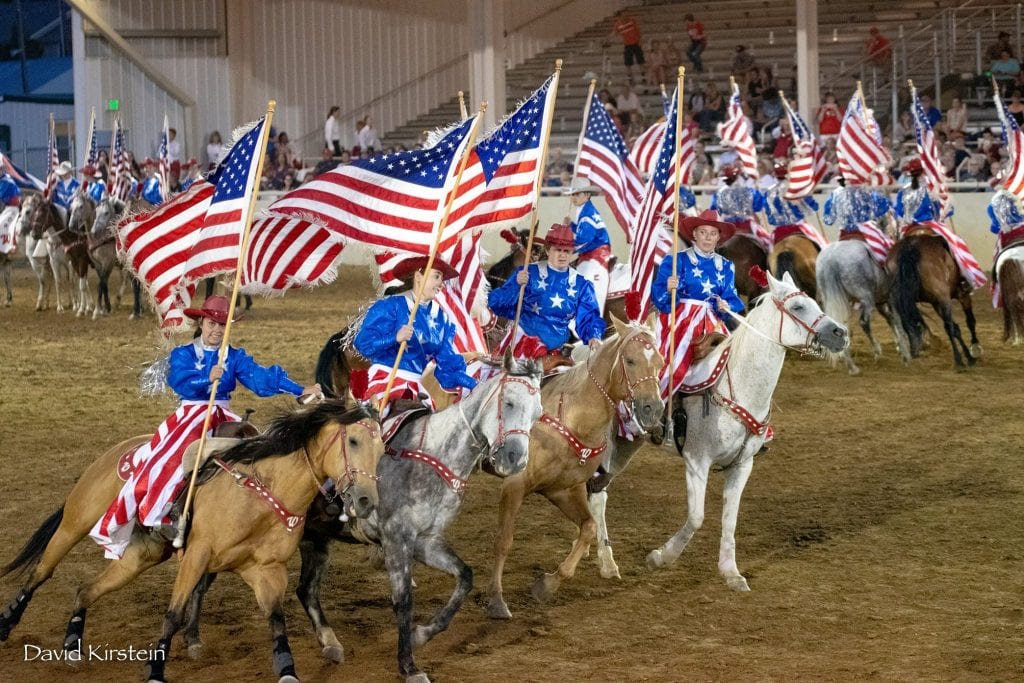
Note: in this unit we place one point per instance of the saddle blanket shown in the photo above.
(618, 280)
(9, 230)
(965, 261)
(878, 242)
(802, 228)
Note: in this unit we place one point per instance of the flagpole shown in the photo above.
(112, 170)
(583, 132)
(541, 166)
(462, 106)
(89, 142)
(179, 539)
(471, 138)
(51, 175)
(672, 254)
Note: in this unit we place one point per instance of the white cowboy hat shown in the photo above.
(581, 185)
(65, 168)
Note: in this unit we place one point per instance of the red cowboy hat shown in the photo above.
(190, 163)
(149, 162)
(709, 217)
(559, 236)
(89, 169)
(913, 166)
(215, 308)
(412, 264)
(780, 169)
(730, 172)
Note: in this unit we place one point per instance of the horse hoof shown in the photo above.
(288, 679)
(195, 651)
(655, 559)
(854, 372)
(611, 572)
(738, 584)
(976, 349)
(545, 586)
(497, 609)
(417, 678)
(335, 653)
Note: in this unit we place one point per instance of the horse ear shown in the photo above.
(788, 279)
(620, 327)
(350, 401)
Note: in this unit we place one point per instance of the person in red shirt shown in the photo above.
(632, 53)
(698, 41)
(877, 49)
(830, 117)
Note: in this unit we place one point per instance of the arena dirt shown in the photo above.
(881, 535)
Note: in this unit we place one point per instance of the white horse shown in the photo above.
(10, 227)
(727, 422)
(848, 274)
(45, 254)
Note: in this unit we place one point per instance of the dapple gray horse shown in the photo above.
(848, 274)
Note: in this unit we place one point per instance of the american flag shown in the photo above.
(927, 149)
(644, 154)
(92, 150)
(155, 247)
(163, 162)
(53, 161)
(604, 160)
(216, 247)
(863, 159)
(650, 240)
(392, 201)
(735, 133)
(121, 169)
(807, 169)
(287, 253)
(1013, 178)
(25, 181)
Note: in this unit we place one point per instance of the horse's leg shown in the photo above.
(136, 299)
(902, 343)
(573, 504)
(866, 309)
(696, 484)
(513, 490)
(972, 323)
(435, 552)
(7, 283)
(55, 266)
(269, 582)
(597, 500)
(945, 311)
(735, 479)
(141, 554)
(316, 554)
(398, 549)
(195, 609)
(190, 571)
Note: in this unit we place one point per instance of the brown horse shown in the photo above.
(68, 246)
(796, 255)
(567, 442)
(745, 252)
(1010, 276)
(924, 270)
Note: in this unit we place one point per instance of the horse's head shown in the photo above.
(82, 214)
(510, 408)
(631, 366)
(106, 214)
(351, 460)
(29, 203)
(802, 324)
(33, 216)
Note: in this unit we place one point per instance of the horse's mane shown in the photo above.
(573, 380)
(292, 431)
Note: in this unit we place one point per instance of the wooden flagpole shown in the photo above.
(789, 109)
(92, 129)
(179, 539)
(673, 318)
(471, 139)
(583, 132)
(462, 106)
(541, 166)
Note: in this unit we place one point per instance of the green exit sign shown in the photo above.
(113, 105)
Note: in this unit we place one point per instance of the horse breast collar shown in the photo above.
(290, 520)
(451, 480)
(582, 451)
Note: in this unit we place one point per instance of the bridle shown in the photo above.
(812, 330)
(503, 433)
(349, 472)
(621, 364)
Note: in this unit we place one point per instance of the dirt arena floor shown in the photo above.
(882, 534)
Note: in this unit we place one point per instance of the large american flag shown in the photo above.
(644, 153)
(650, 240)
(928, 149)
(604, 161)
(1013, 178)
(392, 201)
(52, 160)
(808, 168)
(120, 168)
(863, 158)
(163, 162)
(735, 133)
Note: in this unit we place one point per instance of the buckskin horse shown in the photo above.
(729, 405)
(924, 270)
(567, 443)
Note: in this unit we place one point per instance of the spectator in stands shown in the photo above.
(632, 53)
(702, 171)
(830, 117)
(656, 65)
(960, 150)
(831, 161)
(691, 125)
(628, 102)
(610, 106)
(931, 112)
(285, 147)
(698, 42)
(332, 131)
(1005, 70)
(696, 102)
(637, 126)
(742, 63)
(956, 119)
(877, 48)
(367, 138)
(673, 57)
(714, 108)
(765, 172)
(995, 173)
(995, 50)
(1016, 107)
(174, 158)
(905, 127)
(214, 150)
(783, 141)
(288, 181)
(103, 164)
(770, 112)
(133, 164)
(326, 163)
(756, 85)
(972, 168)
(557, 164)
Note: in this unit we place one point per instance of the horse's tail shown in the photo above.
(834, 300)
(1011, 283)
(332, 363)
(785, 262)
(905, 289)
(34, 548)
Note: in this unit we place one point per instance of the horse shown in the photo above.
(103, 252)
(47, 263)
(727, 423)
(87, 502)
(924, 270)
(75, 241)
(10, 227)
(847, 273)
(1009, 272)
(745, 252)
(567, 443)
(795, 254)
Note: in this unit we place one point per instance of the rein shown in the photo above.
(634, 337)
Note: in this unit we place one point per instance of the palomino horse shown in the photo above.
(924, 270)
(253, 535)
(103, 252)
(847, 273)
(794, 254)
(567, 443)
(1009, 272)
(726, 425)
(745, 252)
